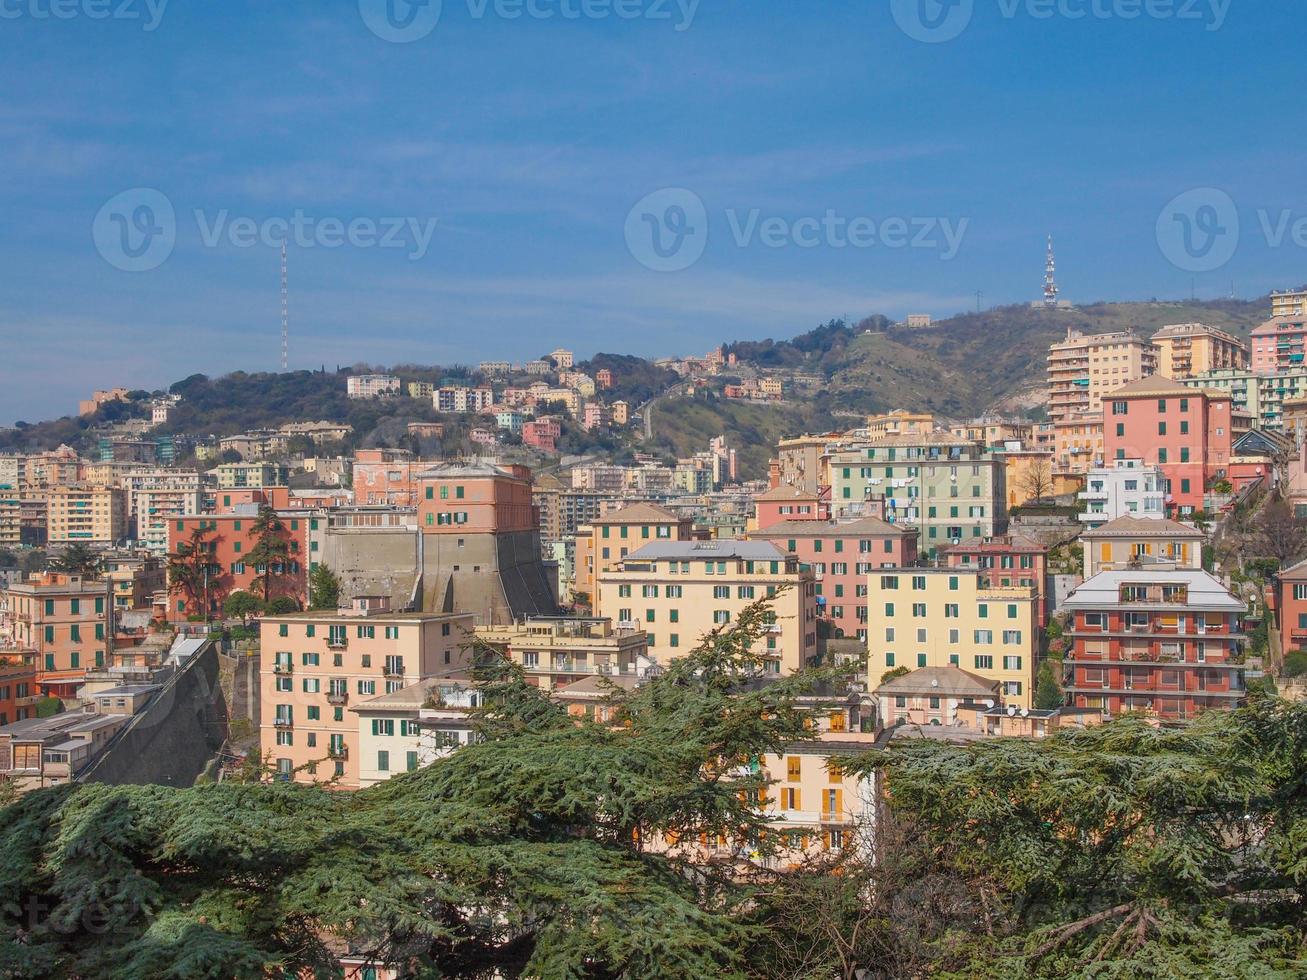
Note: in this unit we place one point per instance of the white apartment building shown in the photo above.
(1125, 488)
(372, 386)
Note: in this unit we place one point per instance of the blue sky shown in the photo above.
(529, 139)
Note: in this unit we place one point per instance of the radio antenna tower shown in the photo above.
(285, 312)
(1050, 277)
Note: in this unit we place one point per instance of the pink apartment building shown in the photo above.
(1278, 344)
(1186, 432)
(841, 556)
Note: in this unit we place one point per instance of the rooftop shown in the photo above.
(722, 548)
(1203, 591)
(941, 681)
(818, 529)
(1144, 527)
(638, 514)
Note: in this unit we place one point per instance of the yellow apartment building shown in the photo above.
(315, 665)
(1290, 302)
(1188, 349)
(1132, 542)
(941, 617)
(606, 540)
(83, 514)
(679, 591)
(555, 651)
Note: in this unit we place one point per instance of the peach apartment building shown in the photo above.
(315, 665)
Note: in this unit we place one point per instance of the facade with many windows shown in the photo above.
(1162, 640)
(315, 666)
(63, 620)
(949, 489)
(680, 591)
(841, 555)
(940, 617)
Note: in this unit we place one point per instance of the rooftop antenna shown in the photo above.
(285, 311)
(1050, 277)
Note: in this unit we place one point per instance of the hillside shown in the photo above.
(966, 364)
(959, 367)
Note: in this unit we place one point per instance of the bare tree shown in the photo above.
(1037, 480)
(1279, 533)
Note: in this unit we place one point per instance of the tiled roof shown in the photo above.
(942, 681)
(1204, 591)
(717, 549)
(638, 514)
(1144, 527)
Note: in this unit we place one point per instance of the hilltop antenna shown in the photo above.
(1050, 277)
(285, 311)
(978, 295)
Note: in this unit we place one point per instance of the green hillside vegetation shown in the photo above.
(961, 366)
(684, 425)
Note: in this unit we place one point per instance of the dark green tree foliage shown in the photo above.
(271, 551)
(524, 853)
(78, 559)
(1123, 851)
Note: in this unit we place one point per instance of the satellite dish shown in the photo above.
(989, 703)
(1025, 712)
(1011, 710)
(934, 682)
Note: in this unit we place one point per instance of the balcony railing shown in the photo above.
(337, 697)
(337, 642)
(393, 670)
(283, 668)
(338, 752)
(282, 722)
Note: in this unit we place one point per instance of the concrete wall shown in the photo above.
(172, 739)
(373, 561)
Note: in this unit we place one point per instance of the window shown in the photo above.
(383, 757)
(984, 662)
(983, 637)
(1012, 637)
(1011, 663)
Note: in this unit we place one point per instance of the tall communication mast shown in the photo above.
(285, 312)
(1050, 276)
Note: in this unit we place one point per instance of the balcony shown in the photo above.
(393, 670)
(283, 668)
(337, 697)
(337, 642)
(338, 752)
(282, 722)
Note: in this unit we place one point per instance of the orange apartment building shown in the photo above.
(480, 543)
(62, 621)
(230, 538)
(387, 476)
(316, 665)
(81, 514)
(1186, 432)
(1188, 349)
(1082, 369)
(18, 691)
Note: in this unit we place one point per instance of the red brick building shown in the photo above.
(1186, 432)
(1164, 641)
(1006, 561)
(230, 538)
